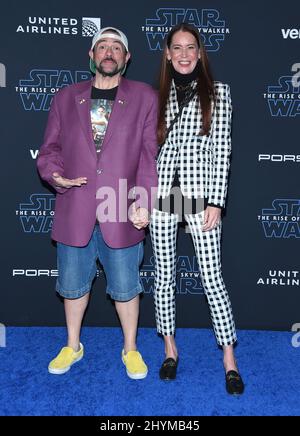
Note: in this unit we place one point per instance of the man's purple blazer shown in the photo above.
(128, 152)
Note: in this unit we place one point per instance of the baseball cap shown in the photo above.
(106, 32)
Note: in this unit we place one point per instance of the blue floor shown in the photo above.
(98, 385)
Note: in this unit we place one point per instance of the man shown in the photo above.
(82, 167)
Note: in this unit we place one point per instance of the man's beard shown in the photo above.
(112, 73)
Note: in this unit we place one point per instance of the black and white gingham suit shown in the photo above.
(202, 163)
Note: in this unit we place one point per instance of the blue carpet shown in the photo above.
(98, 385)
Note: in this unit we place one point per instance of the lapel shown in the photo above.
(120, 107)
(83, 106)
(173, 103)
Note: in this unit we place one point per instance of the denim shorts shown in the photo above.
(77, 268)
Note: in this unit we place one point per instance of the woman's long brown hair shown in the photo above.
(205, 87)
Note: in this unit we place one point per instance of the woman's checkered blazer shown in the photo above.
(202, 161)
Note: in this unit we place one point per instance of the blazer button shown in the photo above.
(99, 171)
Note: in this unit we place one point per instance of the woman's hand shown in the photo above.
(212, 217)
(139, 217)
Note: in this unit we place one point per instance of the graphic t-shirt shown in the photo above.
(102, 101)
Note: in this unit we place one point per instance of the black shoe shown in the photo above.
(168, 369)
(234, 383)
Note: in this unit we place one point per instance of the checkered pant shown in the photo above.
(163, 228)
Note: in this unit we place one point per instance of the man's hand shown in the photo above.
(139, 217)
(62, 182)
(212, 217)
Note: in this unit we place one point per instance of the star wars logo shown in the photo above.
(37, 91)
(282, 220)
(211, 28)
(36, 216)
(284, 99)
(188, 276)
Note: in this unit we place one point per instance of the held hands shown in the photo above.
(139, 217)
(212, 217)
(62, 182)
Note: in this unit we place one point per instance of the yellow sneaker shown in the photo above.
(65, 359)
(135, 366)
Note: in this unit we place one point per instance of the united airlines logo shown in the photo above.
(211, 27)
(280, 278)
(282, 219)
(86, 26)
(36, 91)
(188, 276)
(284, 99)
(90, 26)
(36, 216)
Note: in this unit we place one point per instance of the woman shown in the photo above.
(194, 129)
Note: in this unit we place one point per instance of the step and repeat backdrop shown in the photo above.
(254, 47)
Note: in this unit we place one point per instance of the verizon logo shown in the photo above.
(34, 154)
(290, 33)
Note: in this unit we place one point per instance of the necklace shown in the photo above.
(183, 87)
